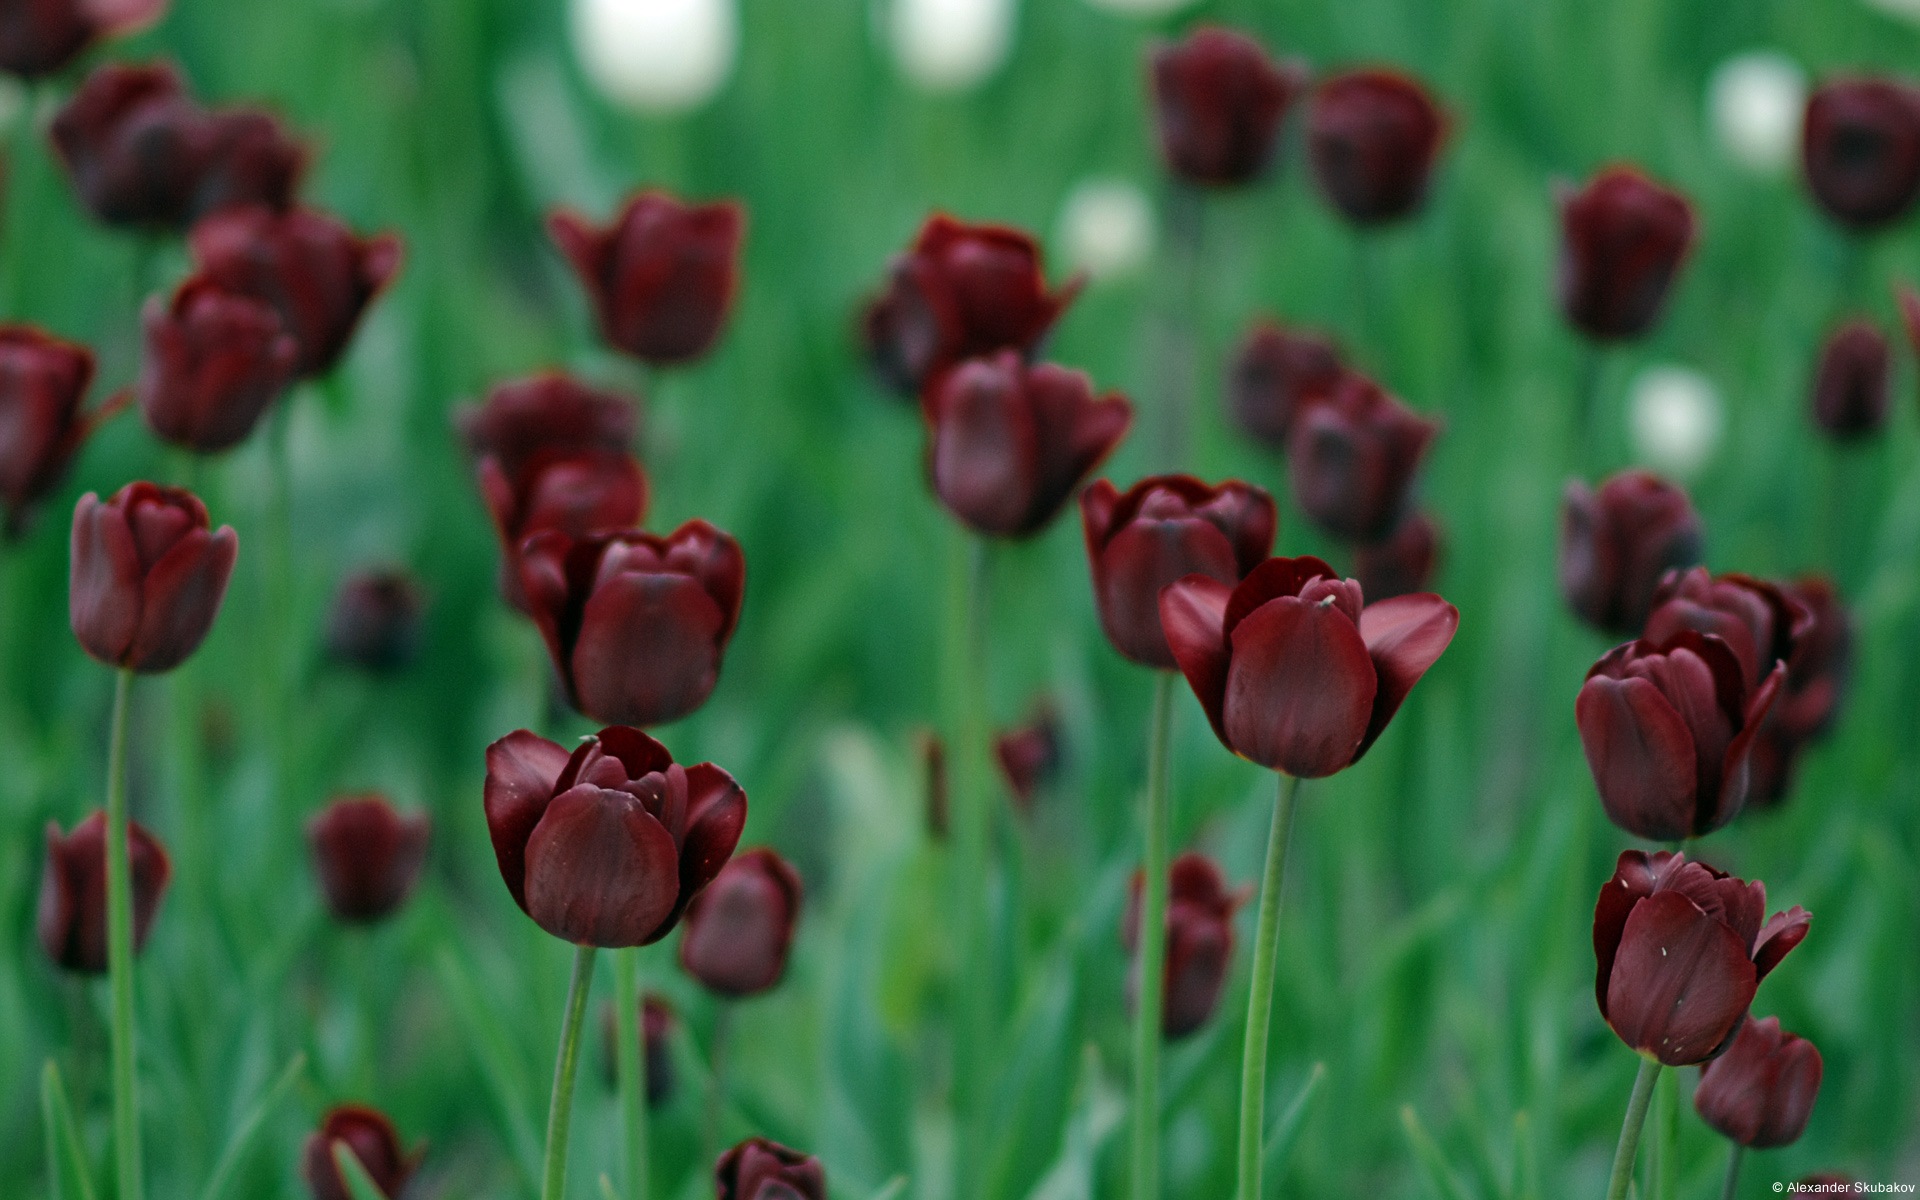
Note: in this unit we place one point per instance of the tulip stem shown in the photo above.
(1586, 413)
(1733, 1173)
(1266, 947)
(1179, 320)
(126, 1076)
(716, 1080)
(966, 654)
(630, 1069)
(1630, 1128)
(1153, 942)
(560, 1111)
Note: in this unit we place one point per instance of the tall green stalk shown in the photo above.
(1266, 948)
(560, 1112)
(1152, 946)
(1630, 1128)
(628, 1041)
(126, 1075)
(966, 651)
(1732, 1186)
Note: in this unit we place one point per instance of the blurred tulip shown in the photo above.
(1029, 755)
(656, 56)
(1761, 1091)
(740, 929)
(1622, 240)
(951, 45)
(1199, 944)
(371, 1137)
(1681, 948)
(1108, 228)
(636, 624)
(606, 846)
(1754, 103)
(547, 411)
(1009, 443)
(1817, 674)
(1160, 530)
(1618, 542)
(657, 1024)
(251, 159)
(42, 383)
(1352, 459)
(1218, 104)
(1275, 375)
(1759, 621)
(661, 276)
(72, 918)
(1860, 149)
(1674, 418)
(1402, 564)
(577, 493)
(375, 622)
(1852, 384)
(1372, 137)
(215, 362)
(758, 1169)
(1292, 672)
(147, 577)
(368, 856)
(40, 37)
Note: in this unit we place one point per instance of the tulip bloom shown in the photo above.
(1352, 459)
(1852, 385)
(72, 919)
(575, 493)
(215, 362)
(147, 577)
(1218, 104)
(1162, 529)
(1009, 443)
(758, 1169)
(40, 37)
(1622, 240)
(546, 412)
(367, 855)
(42, 383)
(1275, 376)
(962, 291)
(740, 928)
(607, 846)
(1860, 149)
(636, 624)
(1404, 563)
(1617, 543)
(1761, 1091)
(1200, 912)
(375, 622)
(1759, 621)
(1029, 756)
(1293, 673)
(1817, 671)
(1372, 137)
(661, 277)
(657, 1024)
(1681, 948)
(371, 1137)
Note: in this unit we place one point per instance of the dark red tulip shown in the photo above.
(375, 622)
(1009, 443)
(1199, 946)
(1617, 543)
(962, 291)
(1372, 137)
(1292, 672)
(147, 577)
(1817, 672)
(1681, 948)
(606, 846)
(1622, 240)
(661, 276)
(1029, 755)
(251, 159)
(42, 383)
(373, 1140)
(367, 855)
(215, 362)
(546, 412)
(576, 493)
(1860, 149)
(1761, 1091)
(1668, 728)
(1275, 375)
(1852, 386)
(134, 144)
(1404, 563)
(72, 920)
(758, 1169)
(1218, 104)
(740, 928)
(1759, 621)
(657, 1023)
(637, 624)
(39, 37)
(1161, 529)
(315, 271)
(1353, 457)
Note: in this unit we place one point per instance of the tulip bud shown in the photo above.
(1851, 388)
(42, 383)
(1029, 755)
(375, 622)
(215, 362)
(1108, 228)
(1199, 946)
(40, 37)
(148, 574)
(1817, 671)
(1761, 1091)
(1860, 148)
(1372, 137)
(251, 159)
(72, 920)
(740, 928)
(1404, 563)
(1275, 375)
(951, 45)
(1674, 418)
(1754, 103)
(1218, 104)
(372, 1139)
(134, 144)
(656, 56)
(572, 492)
(549, 411)
(1352, 459)
(758, 1169)
(1618, 542)
(368, 856)
(1622, 240)
(657, 1023)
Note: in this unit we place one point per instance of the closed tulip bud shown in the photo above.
(657, 1024)
(758, 1169)
(1218, 104)
(315, 271)
(147, 577)
(1681, 948)
(134, 144)
(251, 159)
(1851, 389)
(1275, 375)
(43, 381)
(1860, 149)
(1293, 673)
(962, 291)
(576, 493)
(1030, 756)
(215, 362)
(1817, 673)
(371, 1137)
(375, 622)
(1353, 458)
(1617, 543)
(72, 921)
(549, 411)
(1761, 1091)
(1009, 443)
(1622, 240)
(661, 277)
(1199, 947)
(40, 37)
(740, 929)
(1372, 137)
(1404, 563)
(1759, 621)
(367, 855)
(607, 846)
(636, 624)
(1163, 529)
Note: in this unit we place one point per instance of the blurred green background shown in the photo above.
(1435, 951)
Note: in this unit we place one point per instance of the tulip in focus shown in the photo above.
(1860, 150)
(657, 1024)
(1623, 238)
(1218, 105)
(740, 929)
(1755, 102)
(950, 45)
(372, 1139)
(1674, 418)
(1030, 756)
(1852, 385)
(43, 381)
(40, 37)
(1618, 542)
(1199, 951)
(656, 56)
(368, 856)
(375, 621)
(1760, 1093)
(1372, 137)
(215, 362)
(1353, 457)
(72, 918)
(758, 1169)
(1276, 374)
(1402, 564)
(1107, 227)
(147, 576)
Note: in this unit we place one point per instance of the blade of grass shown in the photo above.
(1440, 1174)
(893, 1189)
(360, 1185)
(498, 1063)
(249, 1126)
(65, 1156)
(1286, 1130)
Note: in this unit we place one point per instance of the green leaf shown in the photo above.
(1441, 1176)
(360, 1185)
(1286, 1130)
(498, 1064)
(66, 1159)
(893, 1189)
(249, 1126)
(1526, 1166)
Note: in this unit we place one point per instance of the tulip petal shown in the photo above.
(1736, 772)
(986, 451)
(600, 870)
(1273, 579)
(1783, 931)
(1097, 505)
(648, 650)
(1144, 557)
(1634, 879)
(579, 243)
(181, 597)
(522, 768)
(1404, 636)
(1641, 755)
(1192, 615)
(1681, 982)
(103, 588)
(1300, 688)
(714, 558)
(716, 815)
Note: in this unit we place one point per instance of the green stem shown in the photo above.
(1733, 1173)
(1153, 943)
(1662, 1163)
(126, 1077)
(967, 755)
(629, 1051)
(1178, 340)
(1266, 947)
(716, 1081)
(1630, 1128)
(1586, 412)
(560, 1111)
(285, 630)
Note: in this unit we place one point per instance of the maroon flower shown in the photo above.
(1008, 443)
(1029, 755)
(372, 1139)
(1681, 948)
(607, 846)
(1761, 1091)
(1291, 671)
(251, 159)
(1353, 456)
(134, 144)
(661, 277)
(657, 1023)
(636, 624)
(1817, 672)
(72, 920)
(740, 928)
(39, 37)
(368, 856)
(215, 362)
(1622, 240)
(1218, 103)
(1372, 137)
(962, 291)
(1759, 621)
(1850, 389)
(1275, 375)
(548, 411)
(1860, 148)
(147, 577)
(758, 1169)
(1199, 945)
(375, 622)
(1404, 563)
(42, 383)
(1616, 545)
(308, 266)
(1161, 529)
